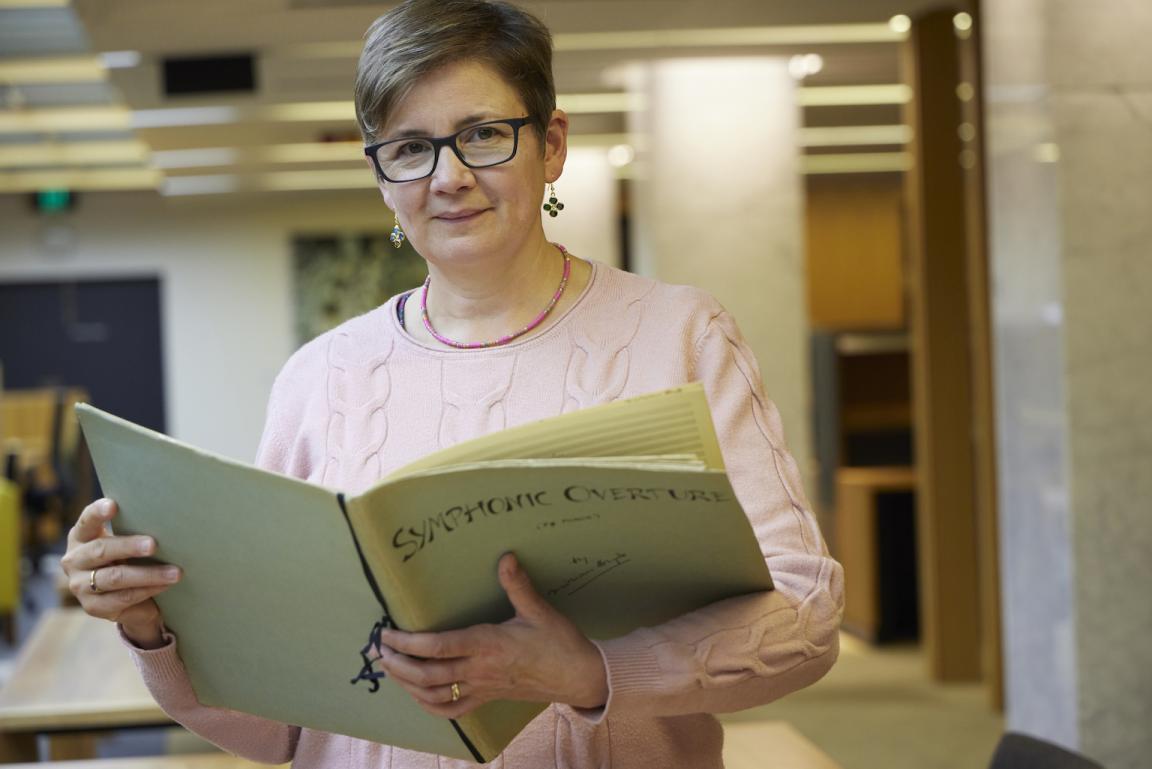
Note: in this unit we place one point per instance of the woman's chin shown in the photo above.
(463, 246)
(484, 237)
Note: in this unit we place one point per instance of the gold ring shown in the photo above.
(455, 692)
(92, 583)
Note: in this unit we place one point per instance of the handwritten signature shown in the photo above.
(554, 524)
(597, 568)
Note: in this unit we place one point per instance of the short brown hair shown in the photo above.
(420, 36)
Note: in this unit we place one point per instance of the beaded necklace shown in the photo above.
(504, 339)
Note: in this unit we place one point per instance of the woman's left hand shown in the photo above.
(538, 655)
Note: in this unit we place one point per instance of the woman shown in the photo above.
(457, 107)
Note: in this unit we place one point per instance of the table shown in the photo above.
(196, 761)
(771, 745)
(747, 745)
(72, 678)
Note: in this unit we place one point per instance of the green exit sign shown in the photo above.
(54, 201)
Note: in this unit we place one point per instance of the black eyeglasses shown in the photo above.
(478, 146)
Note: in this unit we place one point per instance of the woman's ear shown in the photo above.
(555, 145)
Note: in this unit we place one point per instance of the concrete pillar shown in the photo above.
(1069, 125)
(717, 203)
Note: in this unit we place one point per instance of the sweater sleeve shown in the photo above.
(750, 650)
(248, 736)
(244, 735)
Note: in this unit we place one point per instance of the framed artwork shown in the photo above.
(340, 276)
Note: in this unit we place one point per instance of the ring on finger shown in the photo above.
(456, 691)
(92, 582)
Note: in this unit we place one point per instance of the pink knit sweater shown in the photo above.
(366, 398)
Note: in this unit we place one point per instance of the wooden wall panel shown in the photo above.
(855, 252)
(983, 390)
(942, 380)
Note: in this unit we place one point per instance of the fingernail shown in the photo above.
(144, 547)
(172, 573)
(105, 508)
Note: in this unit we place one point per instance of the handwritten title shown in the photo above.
(413, 539)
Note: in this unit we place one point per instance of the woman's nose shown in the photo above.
(450, 174)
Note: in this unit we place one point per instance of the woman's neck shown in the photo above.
(485, 300)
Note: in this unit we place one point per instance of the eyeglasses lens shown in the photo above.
(479, 146)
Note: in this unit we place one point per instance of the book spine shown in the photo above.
(366, 673)
(364, 563)
(367, 670)
(467, 742)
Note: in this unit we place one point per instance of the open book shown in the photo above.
(621, 514)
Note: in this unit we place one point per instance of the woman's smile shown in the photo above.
(462, 215)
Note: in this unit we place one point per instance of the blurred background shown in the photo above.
(930, 219)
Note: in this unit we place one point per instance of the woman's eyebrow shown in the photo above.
(464, 122)
(477, 118)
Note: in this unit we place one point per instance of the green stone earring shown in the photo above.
(553, 206)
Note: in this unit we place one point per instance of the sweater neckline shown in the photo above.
(549, 331)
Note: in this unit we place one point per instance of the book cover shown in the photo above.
(622, 515)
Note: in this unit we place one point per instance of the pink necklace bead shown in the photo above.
(504, 339)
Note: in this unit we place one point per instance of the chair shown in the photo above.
(9, 558)
(9, 535)
(47, 460)
(67, 484)
(1018, 751)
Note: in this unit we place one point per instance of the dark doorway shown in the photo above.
(102, 335)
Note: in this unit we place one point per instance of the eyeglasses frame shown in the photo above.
(449, 141)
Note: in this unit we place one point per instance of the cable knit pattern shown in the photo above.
(474, 393)
(599, 364)
(358, 389)
(364, 399)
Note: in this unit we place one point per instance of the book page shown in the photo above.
(669, 462)
(669, 422)
(612, 547)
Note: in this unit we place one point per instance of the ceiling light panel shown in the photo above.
(317, 152)
(853, 95)
(199, 185)
(26, 4)
(65, 119)
(317, 180)
(72, 153)
(207, 157)
(856, 163)
(814, 34)
(48, 95)
(61, 69)
(184, 116)
(105, 179)
(121, 59)
(854, 136)
(580, 103)
(819, 34)
(318, 112)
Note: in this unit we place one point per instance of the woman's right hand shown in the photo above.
(107, 586)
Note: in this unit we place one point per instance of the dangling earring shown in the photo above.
(553, 206)
(397, 237)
